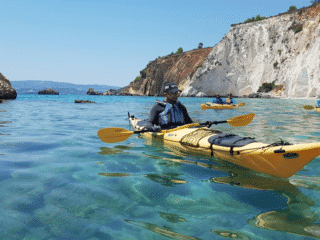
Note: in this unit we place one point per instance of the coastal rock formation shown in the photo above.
(48, 91)
(177, 68)
(110, 92)
(6, 91)
(91, 91)
(283, 49)
(83, 101)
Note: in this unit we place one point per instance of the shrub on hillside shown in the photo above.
(296, 27)
(136, 79)
(254, 19)
(267, 87)
(180, 50)
(143, 74)
(292, 8)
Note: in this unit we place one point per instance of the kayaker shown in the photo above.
(229, 99)
(169, 113)
(218, 99)
(318, 103)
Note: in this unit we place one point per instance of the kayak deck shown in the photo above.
(277, 160)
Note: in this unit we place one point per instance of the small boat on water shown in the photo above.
(209, 105)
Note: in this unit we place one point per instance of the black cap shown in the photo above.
(171, 88)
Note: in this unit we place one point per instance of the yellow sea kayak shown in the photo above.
(209, 105)
(277, 159)
(309, 107)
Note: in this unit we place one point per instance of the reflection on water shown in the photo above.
(306, 182)
(115, 150)
(2, 125)
(110, 151)
(166, 179)
(235, 235)
(173, 218)
(296, 218)
(165, 231)
(115, 174)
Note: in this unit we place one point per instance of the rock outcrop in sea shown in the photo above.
(48, 91)
(110, 92)
(91, 91)
(177, 68)
(82, 101)
(6, 91)
(283, 49)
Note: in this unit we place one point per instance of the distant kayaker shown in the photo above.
(218, 99)
(318, 103)
(229, 99)
(169, 113)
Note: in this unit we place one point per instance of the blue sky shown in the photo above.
(110, 42)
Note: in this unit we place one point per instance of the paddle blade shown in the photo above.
(241, 120)
(308, 107)
(113, 135)
(241, 104)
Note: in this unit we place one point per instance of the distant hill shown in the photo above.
(34, 86)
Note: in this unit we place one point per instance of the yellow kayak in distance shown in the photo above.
(277, 159)
(209, 105)
(309, 107)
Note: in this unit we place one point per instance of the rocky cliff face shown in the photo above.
(177, 68)
(283, 48)
(6, 91)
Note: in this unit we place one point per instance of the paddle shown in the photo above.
(113, 135)
(308, 107)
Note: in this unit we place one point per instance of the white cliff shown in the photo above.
(272, 49)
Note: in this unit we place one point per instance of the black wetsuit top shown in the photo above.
(159, 108)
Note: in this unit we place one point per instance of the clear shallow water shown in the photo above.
(59, 181)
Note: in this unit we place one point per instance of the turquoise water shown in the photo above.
(59, 181)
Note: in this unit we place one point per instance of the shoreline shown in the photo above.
(237, 97)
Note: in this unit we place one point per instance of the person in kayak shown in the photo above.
(318, 104)
(218, 99)
(170, 113)
(229, 99)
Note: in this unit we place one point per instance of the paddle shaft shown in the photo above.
(208, 123)
(217, 122)
(142, 131)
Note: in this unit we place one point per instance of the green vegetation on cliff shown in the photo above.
(258, 18)
(267, 87)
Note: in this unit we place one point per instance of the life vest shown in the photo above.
(218, 101)
(172, 114)
(229, 101)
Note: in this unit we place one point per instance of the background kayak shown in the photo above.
(209, 105)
